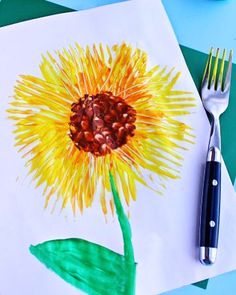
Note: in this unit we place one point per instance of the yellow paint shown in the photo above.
(41, 108)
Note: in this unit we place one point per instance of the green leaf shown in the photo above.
(88, 266)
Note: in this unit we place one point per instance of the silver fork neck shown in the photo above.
(214, 149)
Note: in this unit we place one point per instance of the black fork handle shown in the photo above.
(210, 214)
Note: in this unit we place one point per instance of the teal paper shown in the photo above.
(200, 24)
(224, 284)
(84, 4)
(15, 11)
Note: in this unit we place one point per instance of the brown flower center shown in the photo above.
(101, 123)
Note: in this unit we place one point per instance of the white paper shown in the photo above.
(164, 228)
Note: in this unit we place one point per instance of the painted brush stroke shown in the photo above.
(98, 116)
(94, 108)
(90, 267)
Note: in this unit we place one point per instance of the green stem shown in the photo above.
(92, 267)
(124, 222)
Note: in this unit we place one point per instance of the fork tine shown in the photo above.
(220, 79)
(213, 79)
(229, 72)
(206, 76)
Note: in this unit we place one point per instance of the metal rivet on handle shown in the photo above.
(212, 223)
(214, 182)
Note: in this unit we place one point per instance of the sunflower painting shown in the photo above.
(97, 122)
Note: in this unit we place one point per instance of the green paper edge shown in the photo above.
(202, 284)
(196, 62)
(15, 11)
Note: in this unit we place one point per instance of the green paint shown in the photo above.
(124, 223)
(89, 267)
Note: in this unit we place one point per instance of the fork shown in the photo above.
(215, 99)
